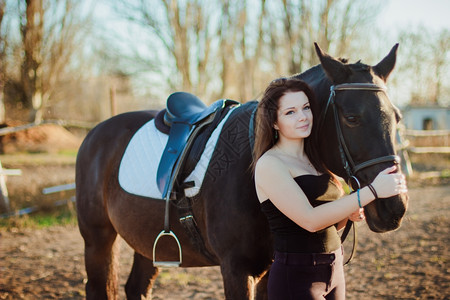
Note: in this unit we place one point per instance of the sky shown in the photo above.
(411, 14)
(432, 14)
(398, 15)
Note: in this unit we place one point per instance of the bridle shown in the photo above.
(349, 165)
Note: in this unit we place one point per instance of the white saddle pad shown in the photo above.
(139, 164)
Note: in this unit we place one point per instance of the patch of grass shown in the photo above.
(445, 174)
(69, 152)
(41, 219)
(64, 217)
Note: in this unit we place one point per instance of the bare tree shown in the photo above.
(227, 37)
(52, 33)
(183, 29)
(252, 53)
(207, 42)
(232, 48)
(425, 66)
(241, 32)
(32, 29)
(2, 62)
(334, 24)
(415, 48)
(440, 62)
(297, 25)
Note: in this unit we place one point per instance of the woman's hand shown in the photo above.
(388, 184)
(357, 216)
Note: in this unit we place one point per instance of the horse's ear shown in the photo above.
(385, 67)
(336, 71)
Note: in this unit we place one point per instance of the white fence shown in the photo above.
(4, 196)
(405, 147)
(76, 124)
(403, 140)
(443, 148)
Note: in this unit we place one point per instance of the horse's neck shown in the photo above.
(318, 81)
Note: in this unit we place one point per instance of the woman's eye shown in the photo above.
(307, 107)
(289, 112)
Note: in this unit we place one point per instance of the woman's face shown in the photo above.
(294, 116)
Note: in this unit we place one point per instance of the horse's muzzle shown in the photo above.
(383, 215)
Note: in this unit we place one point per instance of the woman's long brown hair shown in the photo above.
(266, 117)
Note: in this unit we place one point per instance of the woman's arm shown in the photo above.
(274, 181)
(341, 224)
(356, 216)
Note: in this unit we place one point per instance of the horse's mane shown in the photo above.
(359, 66)
(314, 71)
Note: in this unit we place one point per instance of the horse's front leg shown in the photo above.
(142, 277)
(237, 282)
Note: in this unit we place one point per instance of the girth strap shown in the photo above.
(188, 222)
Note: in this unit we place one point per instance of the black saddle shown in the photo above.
(186, 107)
(187, 116)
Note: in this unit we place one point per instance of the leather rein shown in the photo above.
(349, 165)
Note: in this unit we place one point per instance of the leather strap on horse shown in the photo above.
(351, 168)
(188, 221)
(344, 235)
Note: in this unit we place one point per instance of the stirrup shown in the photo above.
(166, 264)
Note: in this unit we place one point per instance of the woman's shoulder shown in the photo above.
(270, 162)
(268, 158)
(270, 173)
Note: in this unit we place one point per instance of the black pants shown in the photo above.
(299, 276)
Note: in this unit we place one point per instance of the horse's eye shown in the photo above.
(352, 120)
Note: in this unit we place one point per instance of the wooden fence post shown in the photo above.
(403, 144)
(4, 197)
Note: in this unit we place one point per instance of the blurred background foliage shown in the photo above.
(85, 60)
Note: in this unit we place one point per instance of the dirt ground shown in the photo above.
(410, 263)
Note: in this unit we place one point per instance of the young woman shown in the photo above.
(296, 193)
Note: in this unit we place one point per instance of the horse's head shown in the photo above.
(360, 120)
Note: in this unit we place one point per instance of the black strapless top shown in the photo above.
(288, 236)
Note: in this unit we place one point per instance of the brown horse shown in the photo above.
(357, 135)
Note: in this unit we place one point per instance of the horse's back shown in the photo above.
(114, 129)
(99, 157)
